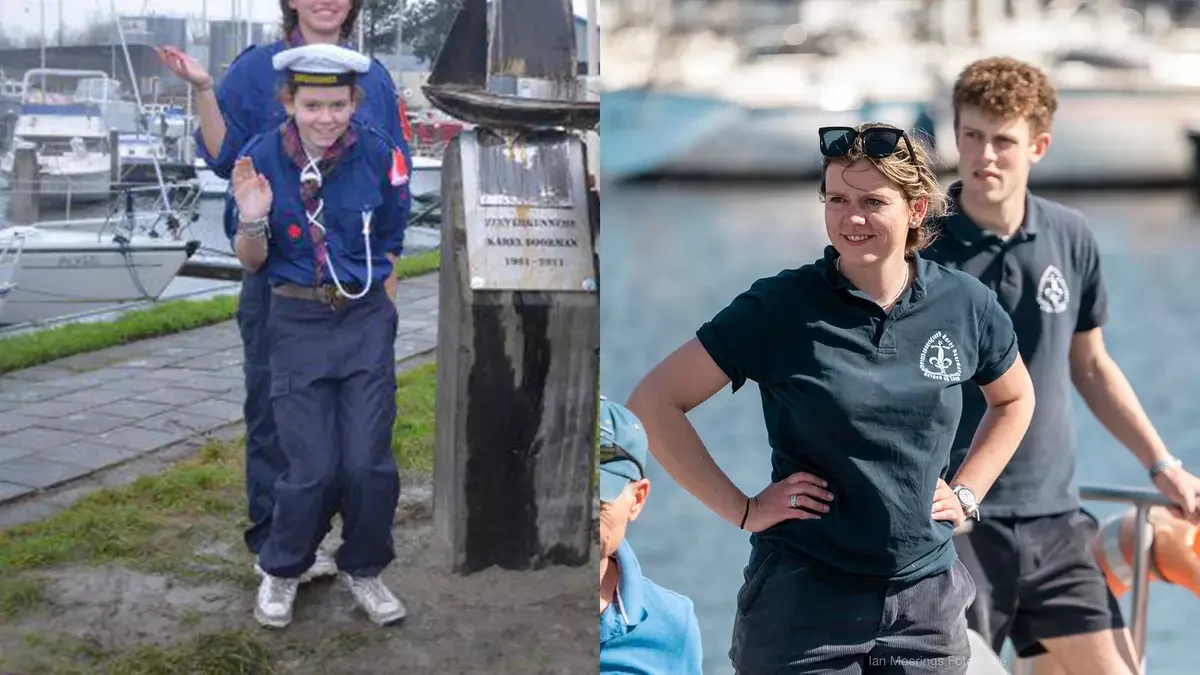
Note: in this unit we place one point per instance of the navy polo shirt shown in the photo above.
(647, 629)
(1048, 279)
(866, 399)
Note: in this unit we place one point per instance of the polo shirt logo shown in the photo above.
(939, 359)
(1052, 292)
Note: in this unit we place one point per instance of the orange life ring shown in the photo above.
(1174, 550)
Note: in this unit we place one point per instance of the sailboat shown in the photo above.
(74, 266)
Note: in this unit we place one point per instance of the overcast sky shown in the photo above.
(24, 16)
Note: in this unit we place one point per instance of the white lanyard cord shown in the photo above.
(312, 173)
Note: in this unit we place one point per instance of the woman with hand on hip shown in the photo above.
(859, 358)
(317, 201)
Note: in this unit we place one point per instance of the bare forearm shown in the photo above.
(996, 440)
(678, 448)
(1112, 400)
(251, 252)
(212, 123)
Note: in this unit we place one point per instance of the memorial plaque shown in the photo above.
(526, 211)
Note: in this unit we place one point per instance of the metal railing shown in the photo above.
(1142, 499)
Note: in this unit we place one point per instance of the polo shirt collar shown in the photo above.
(628, 609)
(962, 228)
(827, 267)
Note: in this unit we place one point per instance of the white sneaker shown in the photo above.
(323, 566)
(274, 602)
(381, 605)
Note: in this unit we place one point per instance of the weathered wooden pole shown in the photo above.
(24, 201)
(518, 333)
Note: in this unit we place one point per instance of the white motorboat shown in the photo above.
(139, 153)
(71, 140)
(72, 150)
(63, 272)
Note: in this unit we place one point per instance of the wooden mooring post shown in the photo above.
(518, 333)
(24, 200)
(518, 354)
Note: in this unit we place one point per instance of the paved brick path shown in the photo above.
(64, 420)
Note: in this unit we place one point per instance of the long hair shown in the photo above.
(291, 19)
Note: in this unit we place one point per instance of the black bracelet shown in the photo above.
(745, 515)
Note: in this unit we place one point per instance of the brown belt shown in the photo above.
(326, 295)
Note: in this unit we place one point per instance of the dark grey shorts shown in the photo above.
(1038, 578)
(793, 621)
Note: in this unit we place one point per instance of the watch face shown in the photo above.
(966, 496)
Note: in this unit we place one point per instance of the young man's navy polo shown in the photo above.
(647, 629)
(1047, 276)
(865, 399)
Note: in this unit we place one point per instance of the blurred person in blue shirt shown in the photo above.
(644, 628)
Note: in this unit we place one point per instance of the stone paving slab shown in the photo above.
(64, 420)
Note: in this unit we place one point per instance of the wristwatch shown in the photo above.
(1171, 462)
(968, 500)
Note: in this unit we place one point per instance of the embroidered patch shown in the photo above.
(294, 232)
(1052, 292)
(939, 359)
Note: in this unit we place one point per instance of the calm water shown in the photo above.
(675, 255)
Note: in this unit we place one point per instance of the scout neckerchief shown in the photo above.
(312, 178)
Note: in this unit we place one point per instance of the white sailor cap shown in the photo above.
(321, 65)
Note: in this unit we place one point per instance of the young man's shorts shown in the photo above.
(1036, 578)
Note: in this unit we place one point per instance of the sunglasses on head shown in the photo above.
(615, 453)
(877, 142)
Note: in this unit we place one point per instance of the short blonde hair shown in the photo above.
(915, 180)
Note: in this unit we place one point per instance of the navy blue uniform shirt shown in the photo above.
(249, 102)
(1048, 279)
(647, 630)
(865, 399)
(359, 184)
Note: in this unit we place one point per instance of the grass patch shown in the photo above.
(225, 653)
(17, 595)
(165, 318)
(158, 522)
(164, 524)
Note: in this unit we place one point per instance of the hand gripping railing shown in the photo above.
(1142, 499)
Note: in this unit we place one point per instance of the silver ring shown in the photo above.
(794, 502)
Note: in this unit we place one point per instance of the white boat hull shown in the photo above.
(64, 273)
(1118, 139)
(79, 186)
(9, 265)
(1098, 139)
(211, 185)
(426, 176)
(75, 188)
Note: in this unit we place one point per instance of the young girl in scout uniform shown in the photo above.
(317, 202)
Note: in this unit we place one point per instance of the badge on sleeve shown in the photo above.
(399, 171)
